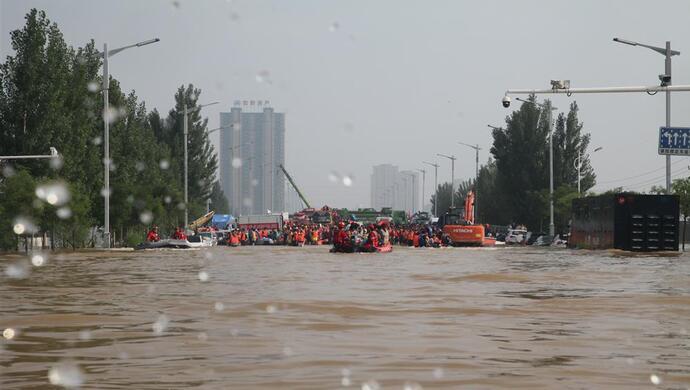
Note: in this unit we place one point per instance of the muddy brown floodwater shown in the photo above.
(301, 318)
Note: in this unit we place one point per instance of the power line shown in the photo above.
(640, 175)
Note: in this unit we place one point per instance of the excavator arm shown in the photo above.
(292, 182)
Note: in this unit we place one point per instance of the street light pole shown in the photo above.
(423, 185)
(578, 166)
(552, 228)
(476, 177)
(435, 165)
(452, 177)
(186, 186)
(106, 132)
(666, 80)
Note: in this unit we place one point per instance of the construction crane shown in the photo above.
(292, 182)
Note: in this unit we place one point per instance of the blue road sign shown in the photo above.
(674, 141)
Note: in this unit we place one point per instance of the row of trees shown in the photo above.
(49, 97)
(513, 187)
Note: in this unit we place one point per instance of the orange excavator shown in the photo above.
(460, 226)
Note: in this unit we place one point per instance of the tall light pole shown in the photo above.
(452, 177)
(423, 185)
(665, 81)
(476, 177)
(578, 166)
(552, 228)
(106, 130)
(435, 165)
(186, 187)
(412, 181)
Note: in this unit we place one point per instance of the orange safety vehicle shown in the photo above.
(460, 226)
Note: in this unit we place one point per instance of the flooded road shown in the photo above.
(301, 318)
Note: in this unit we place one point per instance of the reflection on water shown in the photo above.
(303, 318)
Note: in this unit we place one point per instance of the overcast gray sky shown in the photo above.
(370, 82)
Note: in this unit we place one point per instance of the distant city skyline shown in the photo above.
(391, 187)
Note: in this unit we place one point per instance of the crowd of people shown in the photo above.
(345, 237)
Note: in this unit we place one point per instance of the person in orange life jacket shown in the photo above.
(234, 238)
(179, 234)
(372, 240)
(153, 236)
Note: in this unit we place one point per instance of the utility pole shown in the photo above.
(423, 185)
(106, 132)
(452, 177)
(435, 165)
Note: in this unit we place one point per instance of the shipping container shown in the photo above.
(631, 222)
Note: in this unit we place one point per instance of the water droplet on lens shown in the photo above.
(333, 177)
(139, 166)
(203, 276)
(130, 199)
(54, 193)
(371, 385)
(160, 325)
(146, 217)
(164, 164)
(412, 386)
(236, 162)
(97, 140)
(8, 171)
(23, 225)
(270, 309)
(345, 382)
(255, 182)
(56, 163)
(66, 374)
(167, 199)
(334, 27)
(202, 336)
(655, 379)
(92, 86)
(64, 212)
(247, 202)
(85, 335)
(19, 228)
(438, 373)
(106, 192)
(9, 333)
(347, 181)
(38, 259)
(18, 270)
(218, 306)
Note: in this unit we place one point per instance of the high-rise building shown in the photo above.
(393, 188)
(383, 185)
(250, 151)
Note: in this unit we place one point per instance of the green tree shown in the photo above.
(569, 143)
(16, 201)
(219, 202)
(521, 155)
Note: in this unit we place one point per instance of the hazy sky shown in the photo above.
(370, 82)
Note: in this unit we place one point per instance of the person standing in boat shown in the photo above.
(153, 236)
(179, 234)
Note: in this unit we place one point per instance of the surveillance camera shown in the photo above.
(506, 101)
(665, 79)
